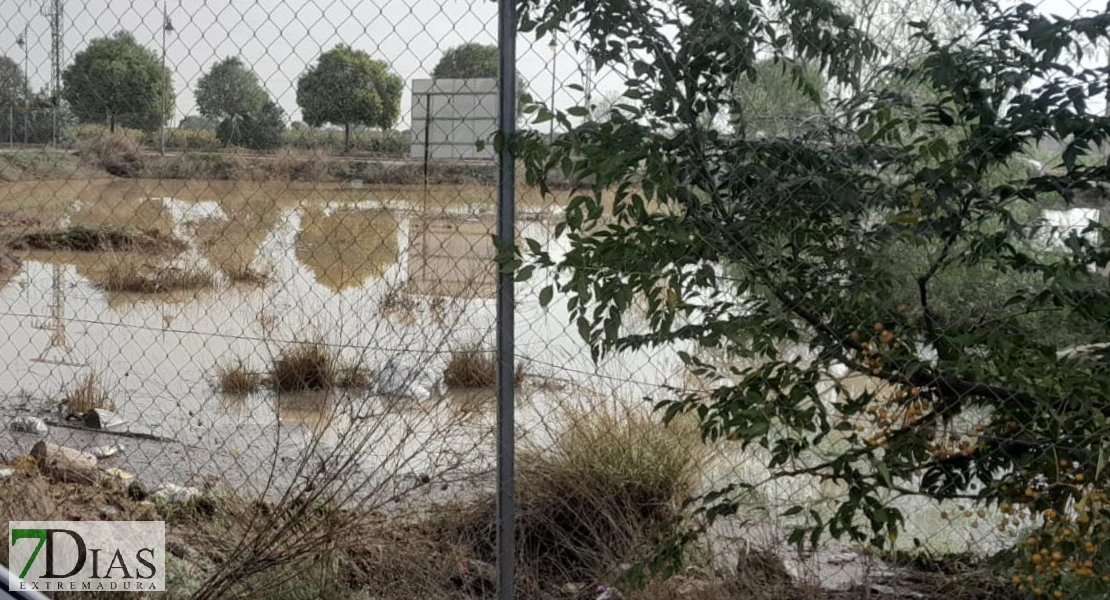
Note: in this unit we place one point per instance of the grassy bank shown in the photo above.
(119, 156)
(40, 164)
(122, 155)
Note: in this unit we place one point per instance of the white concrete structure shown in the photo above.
(454, 114)
(1062, 223)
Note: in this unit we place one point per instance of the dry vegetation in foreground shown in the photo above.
(147, 279)
(608, 488)
(599, 497)
(86, 396)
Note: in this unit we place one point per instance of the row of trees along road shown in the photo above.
(116, 79)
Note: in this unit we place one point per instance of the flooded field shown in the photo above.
(391, 282)
(402, 277)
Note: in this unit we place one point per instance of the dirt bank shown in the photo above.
(284, 165)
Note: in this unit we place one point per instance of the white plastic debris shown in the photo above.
(171, 492)
(107, 451)
(396, 380)
(119, 474)
(29, 425)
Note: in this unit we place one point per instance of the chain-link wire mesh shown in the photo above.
(248, 250)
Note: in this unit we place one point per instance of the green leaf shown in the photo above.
(1102, 455)
(904, 217)
(884, 472)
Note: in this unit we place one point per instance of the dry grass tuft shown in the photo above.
(304, 366)
(603, 494)
(86, 396)
(353, 377)
(471, 367)
(144, 279)
(105, 238)
(307, 366)
(474, 368)
(396, 300)
(246, 275)
(235, 378)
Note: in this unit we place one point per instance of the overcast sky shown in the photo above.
(280, 38)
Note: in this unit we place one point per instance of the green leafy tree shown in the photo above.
(198, 123)
(260, 129)
(347, 87)
(784, 267)
(889, 24)
(13, 83)
(115, 78)
(476, 61)
(27, 116)
(35, 119)
(229, 89)
(468, 61)
(777, 99)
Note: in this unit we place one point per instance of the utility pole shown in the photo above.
(56, 15)
(22, 43)
(167, 27)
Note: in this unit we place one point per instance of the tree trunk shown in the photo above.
(112, 123)
(346, 137)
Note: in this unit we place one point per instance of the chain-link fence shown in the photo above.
(249, 287)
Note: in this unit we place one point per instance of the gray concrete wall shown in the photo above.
(462, 111)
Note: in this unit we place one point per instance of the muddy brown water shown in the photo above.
(377, 274)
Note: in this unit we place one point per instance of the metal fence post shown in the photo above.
(427, 135)
(506, 218)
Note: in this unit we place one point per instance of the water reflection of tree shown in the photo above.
(345, 248)
(231, 244)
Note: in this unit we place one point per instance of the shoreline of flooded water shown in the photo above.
(376, 276)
